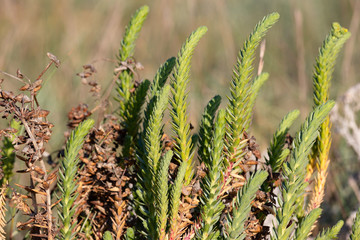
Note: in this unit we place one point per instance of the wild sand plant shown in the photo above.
(243, 89)
(67, 182)
(181, 127)
(294, 183)
(324, 68)
(125, 178)
(130, 106)
(210, 201)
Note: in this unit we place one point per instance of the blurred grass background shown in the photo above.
(83, 31)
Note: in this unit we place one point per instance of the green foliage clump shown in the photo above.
(154, 189)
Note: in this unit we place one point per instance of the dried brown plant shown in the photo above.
(104, 187)
(30, 147)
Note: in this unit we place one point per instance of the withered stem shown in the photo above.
(48, 201)
(32, 185)
(104, 98)
(41, 74)
(29, 132)
(33, 195)
(12, 76)
(42, 164)
(110, 88)
(46, 68)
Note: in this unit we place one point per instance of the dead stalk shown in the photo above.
(12, 76)
(42, 164)
(45, 69)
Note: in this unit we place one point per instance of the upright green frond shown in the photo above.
(133, 109)
(293, 171)
(179, 115)
(161, 194)
(154, 129)
(132, 116)
(125, 82)
(322, 75)
(124, 86)
(180, 125)
(305, 226)
(206, 129)
(276, 152)
(211, 204)
(355, 230)
(148, 156)
(330, 233)
(175, 194)
(307, 135)
(325, 62)
(235, 228)
(132, 30)
(158, 83)
(161, 76)
(258, 82)
(68, 179)
(241, 86)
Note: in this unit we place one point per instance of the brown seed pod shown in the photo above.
(54, 59)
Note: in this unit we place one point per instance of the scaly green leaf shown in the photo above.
(68, 179)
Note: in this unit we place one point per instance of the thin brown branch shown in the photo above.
(105, 98)
(45, 69)
(110, 88)
(12, 76)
